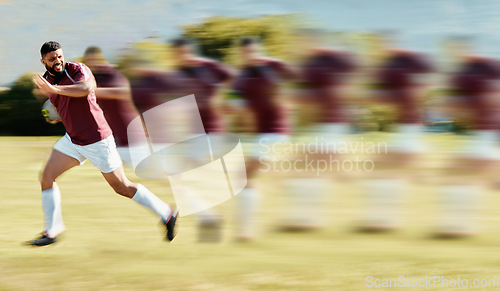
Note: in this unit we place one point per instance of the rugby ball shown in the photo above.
(49, 111)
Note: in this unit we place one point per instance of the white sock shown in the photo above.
(459, 206)
(247, 204)
(383, 202)
(306, 197)
(146, 198)
(51, 204)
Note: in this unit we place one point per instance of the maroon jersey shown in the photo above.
(322, 73)
(118, 112)
(258, 85)
(202, 80)
(151, 89)
(82, 117)
(396, 76)
(472, 83)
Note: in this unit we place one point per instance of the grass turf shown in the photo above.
(113, 244)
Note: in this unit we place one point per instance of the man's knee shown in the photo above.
(46, 179)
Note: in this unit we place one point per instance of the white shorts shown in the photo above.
(102, 154)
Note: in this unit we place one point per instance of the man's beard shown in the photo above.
(54, 72)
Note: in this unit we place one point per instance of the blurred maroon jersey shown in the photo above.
(202, 80)
(118, 112)
(151, 89)
(397, 76)
(322, 74)
(473, 83)
(258, 85)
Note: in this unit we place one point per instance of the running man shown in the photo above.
(71, 88)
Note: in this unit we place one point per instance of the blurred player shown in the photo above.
(398, 82)
(203, 78)
(70, 87)
(474, 97)
(114, 98)
(149, 86)
(258, 84)
(323, 77)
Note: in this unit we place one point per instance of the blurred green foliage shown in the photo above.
(20, 111)
(216, 38)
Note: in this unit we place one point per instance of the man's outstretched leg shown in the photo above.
(57, 164)
(140, 194)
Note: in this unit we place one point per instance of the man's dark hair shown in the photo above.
(181, 41)
(247, 40)
(92, 50)
(48, 47)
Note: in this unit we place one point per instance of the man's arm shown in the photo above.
(79, 89)
(120, 90)
(113, 93)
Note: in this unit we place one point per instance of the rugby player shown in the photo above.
(323, 76)
(399, 83)
(202, 77)
(473, 97)
(71, 88)
(258, 84)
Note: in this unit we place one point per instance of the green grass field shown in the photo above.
(113, 244)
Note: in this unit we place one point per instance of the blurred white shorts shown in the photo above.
(125, 156)
(102, 154)
(328, 136)
(407, 139)
(482, 144)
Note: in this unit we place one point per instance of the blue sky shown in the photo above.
(25, 25)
